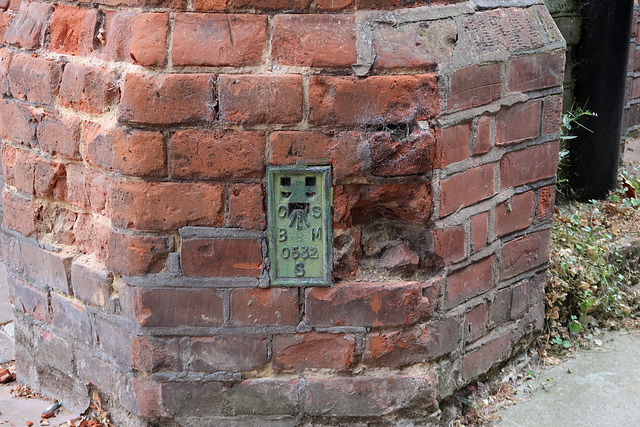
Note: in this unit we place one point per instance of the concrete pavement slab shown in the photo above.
(596, 388)
(17, 411)
(7, 351)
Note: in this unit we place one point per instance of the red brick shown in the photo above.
(466, 188)
(72, 318)
(314, 40)
(59, 136)
(473, 86)
(367, 304)
(18, 168)
(333, 4)
(450, 244)
(167, 99)
(398, 254)
(528, 165)
(520, 299)
(139, 38)
(28, 299)
(19, 213)
(356, 204)
(260, 98)
(501, 307)
(479, 361)
(246, 206)
(415, 345)
(337, 100)
(135, 255)
(28, 27)
(483, 136)
(264, 307)
(91, 282)
(143, 397)
(219, 40)
(157, 307)
(525, 253)
(87, 88)
(537, 71)
(6, 56)
(546, 203)
(453, 145)
(479, 229)
(340, 150)
(269, 4)
(313, 350)
(34, 79)
(221, 257)
(210, 5)
(126, 151)
(405, 155)
(475, 322)
(166, 205)
(5, 21)
(19, 122)
(470, 281)
(514, 214)
(414, 44)
(156, 355)
(50, 179)
(552, 114)
(72, 30)
(45, 267)
(228, 353)
(217, 154)
(518, 123)
(365, 396)
(88, 188)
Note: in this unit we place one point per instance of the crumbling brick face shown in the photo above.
(136, 137)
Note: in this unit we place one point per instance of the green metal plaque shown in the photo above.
(299, 200)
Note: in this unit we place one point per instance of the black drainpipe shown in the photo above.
(600, 78)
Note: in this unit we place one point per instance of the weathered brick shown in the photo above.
(478, 184)
(269, 4)
(260, 98)
(520, 298)
(114, 341)
(453, 144)
(470, 281)
(367, 304)
(246, 206)
(394, 4)
(45, 267)
(528, 165)
(126, 151)
(414, 44)
(156, 307)
(416, 345)
(514, 214)
(518, 123)
(35, 79)
(552, 114)
(333, 4)
(142, 396)
(168, 98)
(525, 253)
(340, 100)
(500, 307)
(479, 229)
(219, 40)
(228, 353)
(140, 38)
(480, 360)
(28, 299)
(11, 253)
(450, 244)
(50, 179)
(19, 122)
(220, 154)
(6, 55)
(475, 322)
(170, 4)
(28, 27)
(538, 71)
(71, 318)
(369, 396)
(356, 204)
(134, 255)
(18, 168)
(87, 88)
(19, 213)
(72, 30)
(313, 350)
(406, 155)
(264, 307)
(152, 354)
(5, 21)
(166, 205)
(314, 40)
(59, 135)
(92, 369)
(210, 5)
(221, 257)
(483, 136)
(340, 150)
(57, 352)
(92, 283)
(88, 188)
(473, 86)
(546, 203)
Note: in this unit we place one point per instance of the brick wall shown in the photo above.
(631, 118)
(135, 137)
